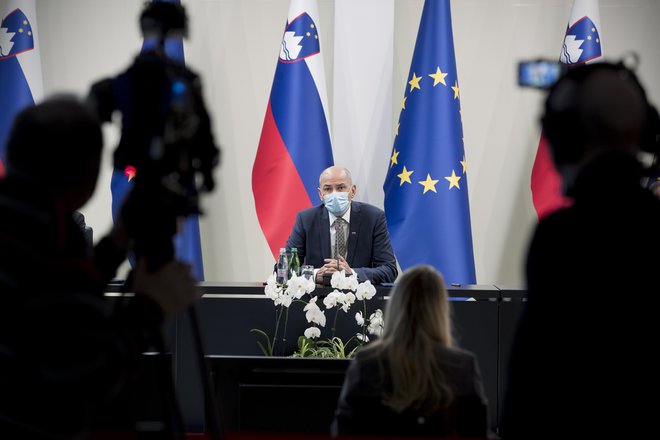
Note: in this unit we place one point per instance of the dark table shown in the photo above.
(227, 312)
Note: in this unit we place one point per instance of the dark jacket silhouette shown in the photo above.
(361, 412)
(584, 362)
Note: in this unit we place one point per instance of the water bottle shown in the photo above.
(294, 263)
(282, 268)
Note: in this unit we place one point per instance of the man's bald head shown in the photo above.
(335, 171)
(336, 178)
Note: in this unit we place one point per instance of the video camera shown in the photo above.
(540, 74)
(166, 140)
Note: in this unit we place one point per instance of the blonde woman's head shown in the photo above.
(418, 308)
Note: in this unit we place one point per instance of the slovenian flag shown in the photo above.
(582, 44)
(295, 139)
(21, 84)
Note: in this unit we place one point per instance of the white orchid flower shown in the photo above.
(311, 304)
(312, 333)
(296, 286)
(359, 319)
(344, 282)
(349, 299)
(315, 315)
(376, 323)
(272, 292)
(272, 280)
(365, 290)
(286, 299)
(375, 328)
(351, 282)
(331, 299)
(362, 337)
(336, 279)
(310, 285)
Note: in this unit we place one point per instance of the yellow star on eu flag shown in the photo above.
(455, 89)
(428, 184)
(394, 157)
(405, 176)
(453, 180)
(438, 77)
(414, 82)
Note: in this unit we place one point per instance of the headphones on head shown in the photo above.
(565, 123)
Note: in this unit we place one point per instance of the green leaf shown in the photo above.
(263, 349)
(303, 347)
(266, 352)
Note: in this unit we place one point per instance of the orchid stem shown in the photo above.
(364, 323)
(334, 323)
(286, 321)
(277, 327)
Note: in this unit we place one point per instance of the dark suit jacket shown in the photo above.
(361, 412)
(583, 363)
(369, 252)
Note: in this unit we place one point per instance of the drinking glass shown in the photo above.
(307, 271)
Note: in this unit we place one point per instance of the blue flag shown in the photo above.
(187, 243)
(426, 191)
(20, 67)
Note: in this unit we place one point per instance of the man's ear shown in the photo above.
(352, 192)
(320, 193)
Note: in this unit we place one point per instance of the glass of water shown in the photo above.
(307, 271)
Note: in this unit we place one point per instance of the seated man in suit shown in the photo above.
(342, 234)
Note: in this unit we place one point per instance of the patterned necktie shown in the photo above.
(340, 237)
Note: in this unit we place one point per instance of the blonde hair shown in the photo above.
(417, 319)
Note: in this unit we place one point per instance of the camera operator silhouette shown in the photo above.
(64, 353)
(583, 362)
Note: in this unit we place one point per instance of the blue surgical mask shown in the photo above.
(336, 203)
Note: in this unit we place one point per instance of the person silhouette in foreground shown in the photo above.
(583, 363)
(413, 381)
(64, 353)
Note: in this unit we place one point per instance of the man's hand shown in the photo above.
(331, 266)
(343, 265)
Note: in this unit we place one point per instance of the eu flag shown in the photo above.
(426, 191)
(187, 244)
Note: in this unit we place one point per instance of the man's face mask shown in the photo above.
(336, 202)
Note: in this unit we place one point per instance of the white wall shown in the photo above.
(234, 46)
